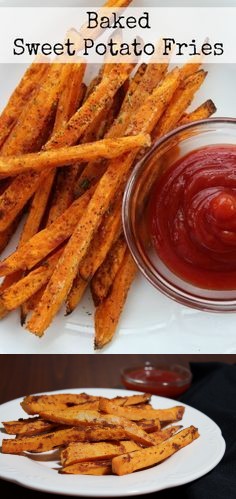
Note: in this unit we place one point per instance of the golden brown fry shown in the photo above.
(108, 312)
(122, 465)
(28, 427)
(63, 276)
(20, 98)
(137, 414)
(97, 451)
(202, 112)
(33, 404)
(29, 129)
(105, 275)
(181, 100)
(105, 148)
(49, 441)
(45, 241)
(102, 95)
(88, 418)
(97, 468)
(140, 398)
(20, 291)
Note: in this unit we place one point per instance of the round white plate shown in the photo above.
(39, 471)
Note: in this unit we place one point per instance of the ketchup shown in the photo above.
(192, 217)
(158, 381)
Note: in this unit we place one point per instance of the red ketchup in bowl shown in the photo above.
(167, 381)
(193, 217)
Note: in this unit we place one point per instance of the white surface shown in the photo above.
(38, 471)
(150, 322)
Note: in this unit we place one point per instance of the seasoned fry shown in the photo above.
(136, 414)
(34, 404)
(17, 293)
(88, 418)
(28, 427)
(202, 112)
(84, 451)
(106, 148)
(105, 275)
(20, 98)
(141, 398)
(45, 241)
(97, 100)
(122, 465)
(181, 100)
(94, 468)
(107, 314)
(35, 117)
(49, 441)
(63, 276)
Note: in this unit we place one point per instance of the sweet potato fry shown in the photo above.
(97, 451)
(122, 465)
(106, 148)
(48, 441)
(89, 418)
(29, 129)
(141, 398)
(181, 100)
(28, 427)
(34, 404)
(94, 468)
(202, 112)
(45, 241)
(78, 245)
(136, 414)
(97, 100)
(102, 281)
(20, 98)
(20, 291)
(108, 312)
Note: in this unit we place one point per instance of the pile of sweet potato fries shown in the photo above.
(66, 153)
(96, 435)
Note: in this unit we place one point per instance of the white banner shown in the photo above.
(118, 35)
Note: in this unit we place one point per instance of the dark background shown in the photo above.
(25, 374)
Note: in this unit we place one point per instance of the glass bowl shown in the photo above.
(165, 379)
(146, 174)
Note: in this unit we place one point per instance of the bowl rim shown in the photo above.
(157, 280)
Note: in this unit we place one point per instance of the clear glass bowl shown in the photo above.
(162, 378)
(163, 155)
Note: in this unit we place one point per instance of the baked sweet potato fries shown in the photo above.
(96, 435)
(66, 153)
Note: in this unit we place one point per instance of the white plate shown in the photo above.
(39, 472)
(150, 322)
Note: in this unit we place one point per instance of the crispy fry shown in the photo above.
(20, 291)
(130, 462)
(63, 276)
(97, 451)
(94, 468)
(181, 100)
(29, 129)
(34, 404)
(28, 427)
(140, 398)
(76, 294)
(108, 312)
(20, 98)
(137, 414)
(106, 148)
(202, 112)
(102, 95)
(105, 275)
(89, 418)
(48, 441)
(45, 241)
(31, 304)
